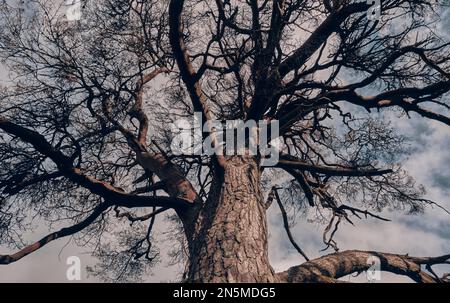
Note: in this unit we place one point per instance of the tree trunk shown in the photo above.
(231, 234)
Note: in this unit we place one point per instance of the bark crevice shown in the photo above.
(231, 240)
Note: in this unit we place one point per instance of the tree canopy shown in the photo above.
(85, 119)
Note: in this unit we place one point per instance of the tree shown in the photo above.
(84, 126)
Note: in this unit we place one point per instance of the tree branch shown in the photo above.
(407, 98)
(137, 111)
(338, 265)
(100, 188)
(67, 231)
(300, 178)
(187, 72)
(290, 162)
(318, 37)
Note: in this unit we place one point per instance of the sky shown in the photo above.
(426, 234)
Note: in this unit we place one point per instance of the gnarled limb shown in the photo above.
(286, 225)
(334, 266)
(407, 98)
(98, 187)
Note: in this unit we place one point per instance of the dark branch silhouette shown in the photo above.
(90, 115)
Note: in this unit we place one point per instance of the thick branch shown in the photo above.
(338, 265)
(137, 111)
(100, 188)
(304, 185)
(318, 37)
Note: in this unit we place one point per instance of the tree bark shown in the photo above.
(329, 268)
(230, 244)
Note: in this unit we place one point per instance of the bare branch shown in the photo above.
(319, 36)
(64, 163)
(407, 98)
(187, 72)
(67, 231)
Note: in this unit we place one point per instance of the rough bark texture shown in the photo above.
(231, 243)
(331, 267)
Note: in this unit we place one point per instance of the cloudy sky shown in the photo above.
(420, 235)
